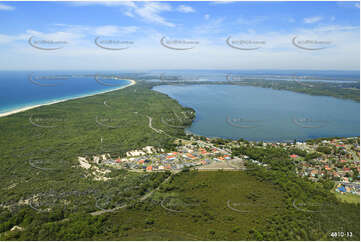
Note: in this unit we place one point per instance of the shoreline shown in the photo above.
(132, 82)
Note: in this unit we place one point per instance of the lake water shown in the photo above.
(255, 113)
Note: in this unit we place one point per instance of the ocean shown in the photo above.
(20, 89)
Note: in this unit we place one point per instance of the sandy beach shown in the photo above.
(132, 82)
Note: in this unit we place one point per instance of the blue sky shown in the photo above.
(274, 25)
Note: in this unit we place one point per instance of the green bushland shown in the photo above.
(39, 167)
(264, 210)
(39, 152)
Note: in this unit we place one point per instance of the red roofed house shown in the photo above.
(149, 168)
(293, 156)
(191, 156)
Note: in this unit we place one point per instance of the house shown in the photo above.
(170, 157)
(227, 157)
(327, 168)
(149, 149)
(314, 172)
(341, 189)
(149, 168)
(293, 156)
(161, 168)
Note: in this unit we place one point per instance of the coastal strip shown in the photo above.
(132, 82)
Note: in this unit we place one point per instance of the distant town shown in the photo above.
(331, 159)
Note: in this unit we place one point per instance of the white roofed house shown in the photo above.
(149, 149)
(96, 159)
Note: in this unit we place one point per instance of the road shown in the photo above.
(144, 197)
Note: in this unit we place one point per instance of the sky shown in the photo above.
(179, 35)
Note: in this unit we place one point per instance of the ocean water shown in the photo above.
(19, 89)
(225, 111)
(255, 113)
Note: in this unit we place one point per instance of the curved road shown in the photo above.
(141, 199)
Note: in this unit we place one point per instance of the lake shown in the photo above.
(256, 114)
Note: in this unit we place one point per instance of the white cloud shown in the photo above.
(291, 20)
(147, 11)
(357, 5)
(312, 20)
(129, 14)
(222, 2)
(207, 16)
(250, 21)
(333, 18)
(104, 3)
(150, 12)
(185, 9)
(59, 35)
(328, 28)
(211, 27)
(111, 30)
(6, 7)
(7, 39)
